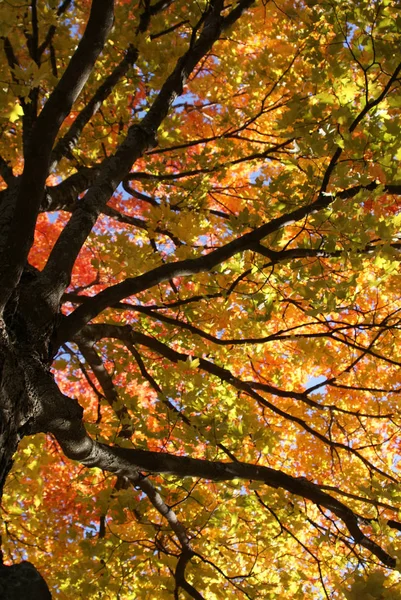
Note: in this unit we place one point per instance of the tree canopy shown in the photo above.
(200, 298)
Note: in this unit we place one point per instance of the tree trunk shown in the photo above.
(25, 357)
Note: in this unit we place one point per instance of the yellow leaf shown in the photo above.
(16, 113)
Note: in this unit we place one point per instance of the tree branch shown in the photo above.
(183, 268)
(106, 382)
(139, 175)
(21, 223)
(68, 142)
(62, 416)
(77, 445)
(179, 575)
(204, 263)
(140, 137)
(6, 172)
(127, 334)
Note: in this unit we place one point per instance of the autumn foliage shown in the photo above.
(216, 213)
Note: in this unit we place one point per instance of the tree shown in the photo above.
(200, 330)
